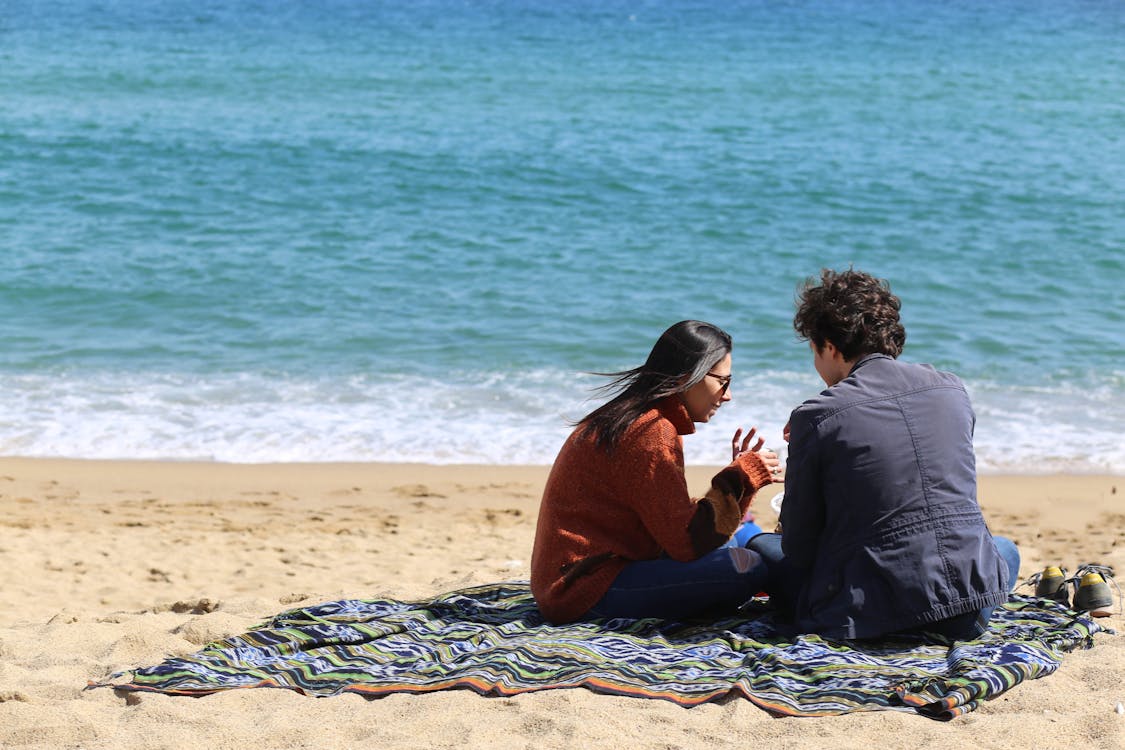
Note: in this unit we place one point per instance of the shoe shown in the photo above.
(1091, 590)
(1050, 584)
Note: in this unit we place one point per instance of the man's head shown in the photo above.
(853, 311)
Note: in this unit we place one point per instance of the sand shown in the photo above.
(111, 565)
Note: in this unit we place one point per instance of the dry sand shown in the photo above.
(111, 565)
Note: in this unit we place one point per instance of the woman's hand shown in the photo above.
(740, 445)
(737, 449)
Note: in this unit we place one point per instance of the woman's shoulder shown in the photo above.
(663, 423)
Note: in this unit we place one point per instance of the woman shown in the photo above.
(618, 533)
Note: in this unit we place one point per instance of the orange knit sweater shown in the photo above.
(602, 510)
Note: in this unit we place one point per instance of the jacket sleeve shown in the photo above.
(802, 511)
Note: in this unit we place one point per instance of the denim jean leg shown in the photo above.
(719, 581)
(783, 580)
(1011, 555)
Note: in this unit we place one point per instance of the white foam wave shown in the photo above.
(498, 418)
(1040, 429)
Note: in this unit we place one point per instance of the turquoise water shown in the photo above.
(359, 231)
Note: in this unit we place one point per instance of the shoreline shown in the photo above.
(110, 565)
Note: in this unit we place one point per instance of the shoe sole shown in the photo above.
(1093, 596)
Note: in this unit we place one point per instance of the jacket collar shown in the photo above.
(865, 359)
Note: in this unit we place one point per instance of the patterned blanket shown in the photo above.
(491, 639)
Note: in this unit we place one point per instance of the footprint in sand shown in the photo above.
(193, 606)
(415, 490)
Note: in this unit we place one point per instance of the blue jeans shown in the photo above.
(715, 584)
(784, 581)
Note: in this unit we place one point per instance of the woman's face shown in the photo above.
(704, 398)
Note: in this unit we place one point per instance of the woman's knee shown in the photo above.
(1011, 556)
(767, 545)
(744, 560)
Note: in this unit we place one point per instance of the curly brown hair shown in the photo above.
(853, 310)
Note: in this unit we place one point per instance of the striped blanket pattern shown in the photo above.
(491, 639)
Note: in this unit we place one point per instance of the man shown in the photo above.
(880, 527)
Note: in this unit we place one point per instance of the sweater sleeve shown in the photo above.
(685, 527)
(719, 512)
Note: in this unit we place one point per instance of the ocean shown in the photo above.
(349, 230)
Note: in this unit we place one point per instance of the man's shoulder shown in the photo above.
(874, 379)
(917, 375)
(882, 375)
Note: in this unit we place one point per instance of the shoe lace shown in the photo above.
(1034, 578)
(1105, 571)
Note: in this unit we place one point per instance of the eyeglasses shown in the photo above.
(724, 382)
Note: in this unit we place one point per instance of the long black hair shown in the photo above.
(681, 357)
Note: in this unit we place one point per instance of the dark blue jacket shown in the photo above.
(880, 504)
